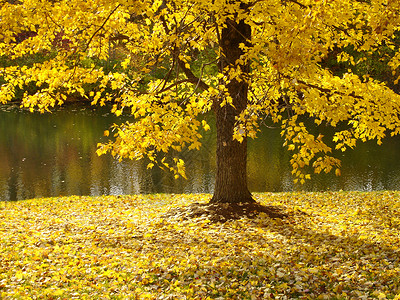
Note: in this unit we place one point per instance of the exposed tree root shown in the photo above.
(222, 212)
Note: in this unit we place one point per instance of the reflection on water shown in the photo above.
(45, 155)
(55, 154)
(368, 167)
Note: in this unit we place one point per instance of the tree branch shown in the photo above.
(326, 91)
(191, 77)
(300, 4)
(174, 84)
(101, 27)
(189, 74)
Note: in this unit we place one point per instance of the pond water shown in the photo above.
(45, 155)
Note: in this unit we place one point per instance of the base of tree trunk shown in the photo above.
(224, 211)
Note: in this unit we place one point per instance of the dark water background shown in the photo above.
(43, 155)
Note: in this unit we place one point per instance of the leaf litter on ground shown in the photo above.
(332, 245)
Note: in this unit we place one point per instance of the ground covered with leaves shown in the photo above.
(334, 245)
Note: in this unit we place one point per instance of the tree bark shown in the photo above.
(231, 173)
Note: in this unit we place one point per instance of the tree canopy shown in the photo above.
(168, 63)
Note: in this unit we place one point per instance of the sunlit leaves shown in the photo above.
(161, 62)
(331, 245)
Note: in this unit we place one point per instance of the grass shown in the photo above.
(333, 245)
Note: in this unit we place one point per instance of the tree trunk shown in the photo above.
(231, 175)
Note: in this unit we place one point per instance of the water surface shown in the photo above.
(43, 155)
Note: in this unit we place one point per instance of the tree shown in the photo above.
(178, 60)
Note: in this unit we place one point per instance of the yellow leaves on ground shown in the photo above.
(343, 245)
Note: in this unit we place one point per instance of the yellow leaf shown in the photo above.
(58, 292)
(19, 275)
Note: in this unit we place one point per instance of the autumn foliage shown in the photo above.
(168, 64)
(174, 61)
(330, 246)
